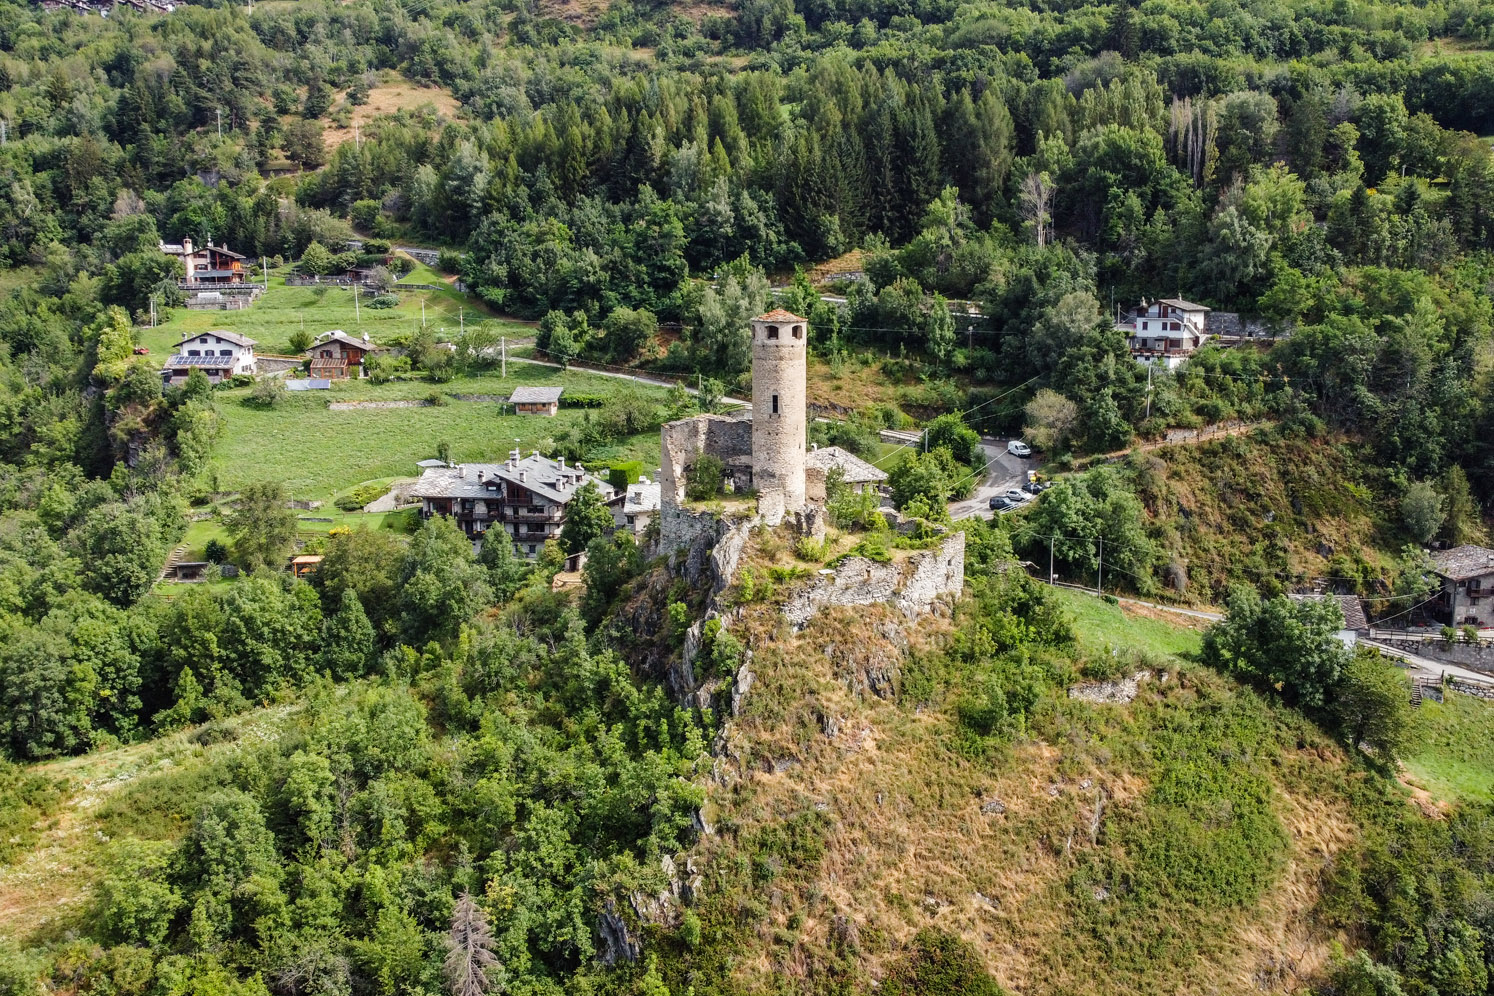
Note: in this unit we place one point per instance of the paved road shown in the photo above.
(1003, 472)
(636, 378)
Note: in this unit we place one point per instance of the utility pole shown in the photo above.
(1149, 390)
(357, 315)
(422, 312)
(503, 356)
(1052, 578)
(220, 124)
(152, 311)
(264, 265)
(461, 321)
(1100, 578)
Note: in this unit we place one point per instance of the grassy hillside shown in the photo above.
(1172, 844)
(1456, 758)
(1264, 510)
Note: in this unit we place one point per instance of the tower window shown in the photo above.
(798, 331)
(772, 331)
(775, 404)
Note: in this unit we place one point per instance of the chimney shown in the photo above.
(523, 476)
(187, 245)
(562, 463)
(813, 447)
(462, 472)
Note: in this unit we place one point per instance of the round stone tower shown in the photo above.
(779, 420)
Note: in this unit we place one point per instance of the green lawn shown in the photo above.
(1101, 625)
(318, 452)
(282, 310)
(1456, 757)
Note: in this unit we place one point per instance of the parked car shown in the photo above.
(1036, 487)
(1002, 503)
(1017, 495)
(1018, 448)
(142, 351)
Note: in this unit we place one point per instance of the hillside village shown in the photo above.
(746, 500)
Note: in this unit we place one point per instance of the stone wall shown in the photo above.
(1475, 656)
(682, 442)
(912, 584)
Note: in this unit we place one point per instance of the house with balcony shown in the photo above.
(1165, 332)
(336, 355)
(219, 354)
(524, 497)
(208, 264)
(1467, 596)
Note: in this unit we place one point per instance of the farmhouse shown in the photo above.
(536, 400)
(219, 354)
(1164, 332)
(336, 355)
(526, 497)
(207, 265)
(1467, 574)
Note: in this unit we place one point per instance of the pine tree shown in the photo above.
(472, 969)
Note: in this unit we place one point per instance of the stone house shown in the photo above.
(1164, 332)
(336, 355)
(536, 400)
(1467, 597)
(525, 497)
(219, 354)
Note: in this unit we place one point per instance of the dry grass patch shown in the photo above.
(386, 99)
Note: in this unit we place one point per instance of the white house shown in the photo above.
(639, 506)
(219, 354)
(1164, 332)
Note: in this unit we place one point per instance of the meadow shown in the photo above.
(1455, 759)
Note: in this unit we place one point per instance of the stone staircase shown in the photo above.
(1416, 694)
(171, 561)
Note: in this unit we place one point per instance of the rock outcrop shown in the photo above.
(913, 584)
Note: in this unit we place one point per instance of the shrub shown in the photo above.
(704, 478)
(939, 964)
(360, 496)
(383, 301)
(268, 392)
(215, 552)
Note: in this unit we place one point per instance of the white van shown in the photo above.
(1018, 448)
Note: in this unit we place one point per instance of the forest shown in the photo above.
(476, 749)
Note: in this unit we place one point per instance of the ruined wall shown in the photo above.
(682, 442)
(912, 584)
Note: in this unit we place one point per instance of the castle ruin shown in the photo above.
(763, 451)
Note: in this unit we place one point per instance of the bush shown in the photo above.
(382, 302)
(215, 552)
(939, 964)
(704, 478)
(268, 392)
(360, 496)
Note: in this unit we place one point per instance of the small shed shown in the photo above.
(191, 570)
(305, 565)
(536, 400)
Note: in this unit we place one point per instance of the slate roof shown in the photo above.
(645, 496)
(535, 395)
(545, 477)
(1353, 609)
(1178, 302)
(778, 315)
(855, 469)
(224, 334)
(1464, 562)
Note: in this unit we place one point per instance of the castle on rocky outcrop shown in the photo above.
(763, 451)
